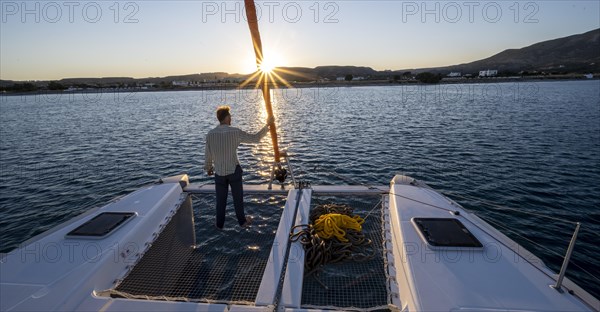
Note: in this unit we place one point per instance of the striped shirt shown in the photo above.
(221, 147)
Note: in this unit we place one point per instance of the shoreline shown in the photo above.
(301, 85)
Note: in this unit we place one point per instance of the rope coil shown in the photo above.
(333, 225)
(333, 235)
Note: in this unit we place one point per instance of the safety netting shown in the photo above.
(358, 280)
(192, 260)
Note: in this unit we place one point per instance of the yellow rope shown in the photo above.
(335, 224)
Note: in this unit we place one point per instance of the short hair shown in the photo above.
(222, 112)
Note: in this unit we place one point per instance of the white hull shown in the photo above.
(54, 272)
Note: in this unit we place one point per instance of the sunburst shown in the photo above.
(270, 74)
(267, 66)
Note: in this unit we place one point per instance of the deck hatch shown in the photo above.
(101, 225)
(445, 232)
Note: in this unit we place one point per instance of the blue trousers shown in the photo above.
(222, 184)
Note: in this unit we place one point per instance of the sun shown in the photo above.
(270, 63)
(272, 70)
(267, 66)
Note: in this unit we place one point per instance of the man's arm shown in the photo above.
(208, 161)
(246, 137)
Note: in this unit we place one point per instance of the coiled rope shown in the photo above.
(333, 235)
(334, 225)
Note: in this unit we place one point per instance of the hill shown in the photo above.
(577, 53)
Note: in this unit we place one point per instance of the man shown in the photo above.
(222, 161)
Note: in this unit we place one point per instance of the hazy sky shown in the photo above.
(52, 40)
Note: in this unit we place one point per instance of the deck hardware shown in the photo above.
(279, 173)
(563, 269)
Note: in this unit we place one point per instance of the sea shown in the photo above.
(524, 156)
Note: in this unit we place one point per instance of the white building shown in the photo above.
(181, 83)
(358, 78)
(340, 78)
(488, 73)
(455, 74)
(146, 86)
(589, 76)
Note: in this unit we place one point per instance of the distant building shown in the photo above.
(488, 73)
(181, 83)
(340, 78)
(455, 74)
(589, 76)
(358, 78)
(146, 86)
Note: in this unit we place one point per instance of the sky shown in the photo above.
(45, 40)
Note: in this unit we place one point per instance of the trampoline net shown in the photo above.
(350, 284)
(221, 266)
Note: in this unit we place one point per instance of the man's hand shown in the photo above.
(210, 172)
(271, 120)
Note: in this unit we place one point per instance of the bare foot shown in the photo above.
(248, 221)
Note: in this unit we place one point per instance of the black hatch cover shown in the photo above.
(446, 232)
(102, 224)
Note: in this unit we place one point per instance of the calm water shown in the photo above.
(534, 147)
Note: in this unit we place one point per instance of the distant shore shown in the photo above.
(313, 84)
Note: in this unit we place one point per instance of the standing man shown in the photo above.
(222, 161)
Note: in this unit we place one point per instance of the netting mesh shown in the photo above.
(222, 266)
(347, 285)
